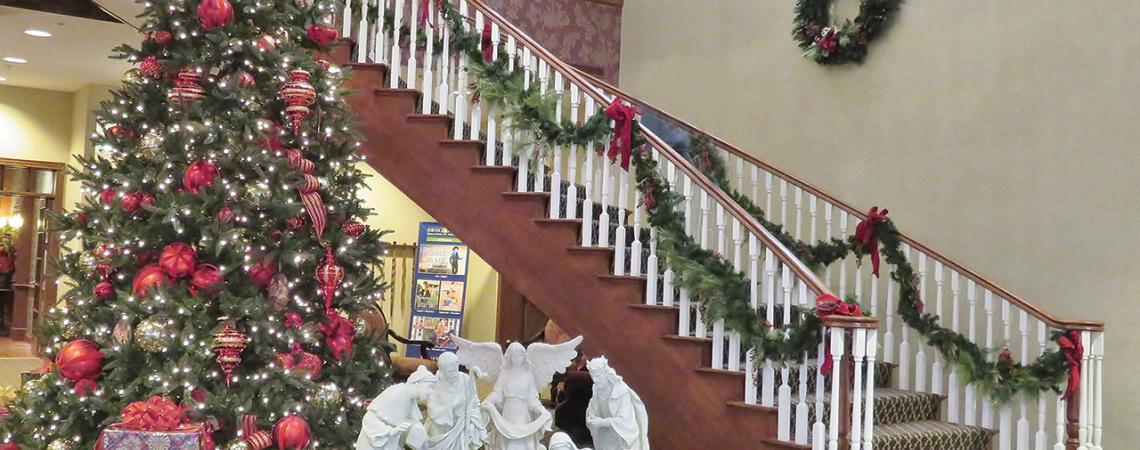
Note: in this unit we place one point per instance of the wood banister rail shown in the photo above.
(574, 76)
(1034, 310)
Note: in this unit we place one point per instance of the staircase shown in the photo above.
(568, 231)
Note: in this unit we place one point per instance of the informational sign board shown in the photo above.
(440, 289)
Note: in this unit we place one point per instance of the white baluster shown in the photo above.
(843, 264)
(1059, 419)
(738, 265)
(858, 351)
(652, 271)
(509, 138)
(346, 22)
(540, 168)
(1041, 438)
(904, 346)
(869, 412)
(803, 428)
(460, 93)
(620, 237)
(798, 232)
(812, 200)
(556, 163)
(705, 229)
(784, 202)
(754, 284)
(492, 117)
(768, 193)
(987, 408)
(429, 56)
(572, 172)
(443, 88)
(1023, 407)
(361, 31)
(971, 407)
(785, 391)
(768, 377)
(938, 368)
(379, 39)
(819, 429)
(395, 56)
(755, 177)
(1097, 390)
(1084, 434)
(740, 175)
(889, 335)
(920, 357)
(828, 235)
(952, 384)
(683, 295)
(1005, 427)
(837, 352)
(413, 47)
(588, 202)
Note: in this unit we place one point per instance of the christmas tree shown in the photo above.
(219, 260)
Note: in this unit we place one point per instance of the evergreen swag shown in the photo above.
(722, 292)
(830, 44)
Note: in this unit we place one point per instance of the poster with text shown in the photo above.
(440, 289)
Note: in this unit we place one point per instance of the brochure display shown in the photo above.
(440, 289)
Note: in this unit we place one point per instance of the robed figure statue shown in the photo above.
(454, 419)
(393, 420)
(616, 416)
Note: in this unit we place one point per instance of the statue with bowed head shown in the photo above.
(616, 416)
(454, 419)
(517, 419)
(393, 420)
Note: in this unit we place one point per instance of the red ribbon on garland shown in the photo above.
(623, 116)
(154, 414)
(830, 305)
(865, 235)
(310, 196)
(1074, 351)
(486, 44)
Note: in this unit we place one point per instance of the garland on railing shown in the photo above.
(1001, 377)
(722, 292)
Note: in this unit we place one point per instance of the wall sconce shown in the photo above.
(13, 222)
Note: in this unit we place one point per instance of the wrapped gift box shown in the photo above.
(187, 437)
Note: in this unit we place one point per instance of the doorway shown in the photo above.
(29, 191)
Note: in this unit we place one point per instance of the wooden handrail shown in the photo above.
(575, 76)
(1025, 305)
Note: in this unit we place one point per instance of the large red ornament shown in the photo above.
(206, 278)
(151, 68)
(292, 432)
(186, 88)
(215, 13)
(329, 275)
(298, 95)
(79, 360)
(228, 344)
(104, 290)
(131, 202)
(321, 35)
(339, 334)
(225, 214)
(199, 174)
(261, 272)
(352, 228)
(9, 446)
(178, 259)
(147, 277)
(107, 197)
(246, 79)
(162, 37)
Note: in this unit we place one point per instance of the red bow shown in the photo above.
(830, 305)
(865, 235)
(623, 116)
(1074, 351)
(488, 46)
(154, 414)
(338, 333)
(309, 190)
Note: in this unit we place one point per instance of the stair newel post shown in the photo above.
(1023, 407)
(872, 351)
(525, 158)
(1097, 378)
(556, 161)
(938, 368)
(971, 407)
(920, 348)
(1041, 437)
(621, 236)
(718, 334)
(572, 158)
(953, 385)
(588, 185)
(346, 19)
(413, 44)
(987, 406)
(839, 400)
(429, 60)
(395, 56)
(738, 265)
(361, 32)
(768, 377)
(905, 362)
(784, 393)
(750, 362)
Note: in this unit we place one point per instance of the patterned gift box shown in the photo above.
(187, 437)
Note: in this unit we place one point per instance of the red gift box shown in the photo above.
(187, 437)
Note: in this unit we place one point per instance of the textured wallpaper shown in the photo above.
(582, 33)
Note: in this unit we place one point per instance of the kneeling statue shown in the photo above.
(393, 420)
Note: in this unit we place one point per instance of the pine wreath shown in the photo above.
(828, 43)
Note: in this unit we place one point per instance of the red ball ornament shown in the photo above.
(292, 432)
(267, 43)
(80, 359)
(107, 197)
(215, 13)
(321, 35)
(147, 277)
(9, 446)
(186, 88)
(178, 259)
(115, 131)
(353, 228)
(161, 37)
(104, 290)
(206, 278)
(130, 203)
(298, 95)
(261, 273)
(225, 214)
(200, 174)
(246, 79)
(151, 68)
(228, 344)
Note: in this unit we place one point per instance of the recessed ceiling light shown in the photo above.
(15, 60)
(37, 33)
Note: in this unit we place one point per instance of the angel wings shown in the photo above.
(486, 359)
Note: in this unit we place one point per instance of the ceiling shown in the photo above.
(77, 54)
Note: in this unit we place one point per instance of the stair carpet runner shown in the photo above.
(904, 419)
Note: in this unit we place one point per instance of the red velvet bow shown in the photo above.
(154, 414)
(830, 305)
(1074, 351)
(623, 116)
(865, 235)
(338, 333)
(487, 45)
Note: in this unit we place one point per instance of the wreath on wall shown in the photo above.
(827, 43)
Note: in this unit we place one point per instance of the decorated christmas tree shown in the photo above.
(220, 271)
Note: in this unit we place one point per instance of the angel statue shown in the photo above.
(517, 420)
(393, 420)
(616, 416)
(454, 420)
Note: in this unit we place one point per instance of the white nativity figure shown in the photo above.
(562, 441)
(454, 419)
(393, 420)
(615, 416)
(516, 418)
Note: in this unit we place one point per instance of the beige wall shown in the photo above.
(1002, 133)
(35, 124)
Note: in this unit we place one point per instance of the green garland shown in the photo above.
(722, 292)
(829, 44)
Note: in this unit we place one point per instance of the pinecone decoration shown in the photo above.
(279, 292)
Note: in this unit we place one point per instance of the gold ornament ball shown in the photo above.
(61, 444)
(151, 144)
(236, 445)
(34, 386)
(152, 335)
(327, 396)
(69, 330)
(132, 76)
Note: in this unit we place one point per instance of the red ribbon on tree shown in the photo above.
(154, 414)
(254, 439)
(623, 116)
(486, 43)
(338, 333)
(309, 189)
(830, 305)
(1071, 346)
(865, 235)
